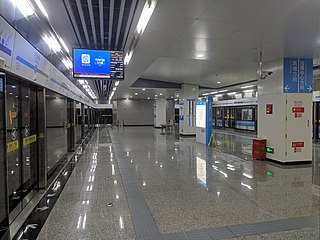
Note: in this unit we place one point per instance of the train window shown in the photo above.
(247, 114)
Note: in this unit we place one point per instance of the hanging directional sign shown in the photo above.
(297, 75)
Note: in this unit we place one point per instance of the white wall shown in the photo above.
(135, 112)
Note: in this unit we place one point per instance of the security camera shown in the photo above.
(264, 74)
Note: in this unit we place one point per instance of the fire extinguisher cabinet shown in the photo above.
(259, 148)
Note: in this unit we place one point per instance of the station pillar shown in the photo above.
(160, 112)
(285, 110)
(187, 109)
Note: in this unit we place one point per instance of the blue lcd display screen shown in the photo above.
(89, 63)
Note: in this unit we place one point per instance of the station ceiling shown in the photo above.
(212, 43)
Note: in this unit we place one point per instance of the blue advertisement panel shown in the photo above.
(298, 75)
(98, 64)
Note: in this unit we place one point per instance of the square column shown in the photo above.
(187, 111)
(285, 110)
(160, 113)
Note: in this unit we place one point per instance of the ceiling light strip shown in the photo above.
(101, 23)
(120, 22)
(93, 26)
(73, 21)
(130, 18)
(83, 22)
(110, 23)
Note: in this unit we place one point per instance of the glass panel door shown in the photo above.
(28, 133)
(13, 144)
(4, 218)
(21, 139)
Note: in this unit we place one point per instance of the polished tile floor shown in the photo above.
(182, 187)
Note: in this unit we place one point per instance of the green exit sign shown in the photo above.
(270, 150)
(269, 173)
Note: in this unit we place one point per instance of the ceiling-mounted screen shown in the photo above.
(88, 63)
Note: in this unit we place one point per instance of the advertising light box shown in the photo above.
(201, 114)
(89, 63)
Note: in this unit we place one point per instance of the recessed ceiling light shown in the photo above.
(156, 95)
(223, 91)
(160, 94)
(231, 93)
(177, 95)
(143, 89)
(218, 82)
(148, 98)
(200, 55)
(135, 93)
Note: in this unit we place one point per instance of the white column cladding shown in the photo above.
(288, 133)
(160, 115)
(187, 112)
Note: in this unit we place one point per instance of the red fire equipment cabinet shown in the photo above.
(259, 148)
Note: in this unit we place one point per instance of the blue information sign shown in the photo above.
(297, 75)
(209, 119)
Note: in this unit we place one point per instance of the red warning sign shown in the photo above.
(297, 144)
(298, 109)
(269, 108)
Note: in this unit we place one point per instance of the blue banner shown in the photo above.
(297, 75)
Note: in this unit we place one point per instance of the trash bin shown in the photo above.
(259, 148)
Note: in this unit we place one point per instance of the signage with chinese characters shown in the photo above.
(297, 146)
(201, 114)
(298, 112)
(269, 109)
(298, 109)
(298, 75)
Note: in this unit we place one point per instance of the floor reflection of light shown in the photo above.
(223, 173)
(247, 175)
(84, 221)
(131, 160)
(121, 223)
(218, 193)
(112, 170)
(216, 162)
(246, 185)
(115, 182)
(127, 154)
(117, 196)
(172, 157)
(79, 221)
(161, 165)
(144, 183)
